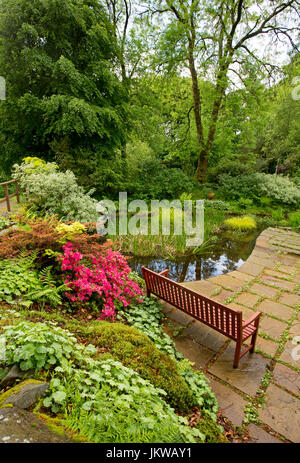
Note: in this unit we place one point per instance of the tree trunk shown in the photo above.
(201, 171)
(197, 111)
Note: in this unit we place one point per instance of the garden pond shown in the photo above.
(227, 254)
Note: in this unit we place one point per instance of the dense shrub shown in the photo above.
(278, 188)
(217, 205)
(104, 277)
(232, 167)
(41, 234)
(234, 188)
(294, 219)
(153, 180)
(136, 351)
(53, 192)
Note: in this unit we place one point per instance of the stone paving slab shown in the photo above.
(281, 412)
(266, 346)
(247, 299)
(291, 354)
(223, 296)
(196, 353)
(264, 291)
(290, 299)
(278, 274)
(232, 405)
(295, 328)
(247, 376)
(271, 327)
(286, 269)
(287, 378)
(259, 436)
(282, 284)
(251, 268)
(275, 308)
(180, 317)
(202, 286)
(206, 336)
(241, 276)
(226, 281)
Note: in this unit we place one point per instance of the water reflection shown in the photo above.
(228, 254)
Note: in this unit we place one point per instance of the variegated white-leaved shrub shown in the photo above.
(53, 192)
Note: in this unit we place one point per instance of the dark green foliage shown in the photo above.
(147, 317)
(63, 98)
(152, 179)
(242, 186)
(136, 351)
(211, 430)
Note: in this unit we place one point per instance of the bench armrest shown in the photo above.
(164, 273)
(250, 320)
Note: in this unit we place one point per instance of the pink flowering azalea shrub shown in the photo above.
(104, 276)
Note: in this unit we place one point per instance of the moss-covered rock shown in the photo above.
(24, 395)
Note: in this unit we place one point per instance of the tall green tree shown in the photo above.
(281, 146)
(64, 98)
(217, 38)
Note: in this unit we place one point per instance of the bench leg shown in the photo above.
(253, 341)
(237, 354)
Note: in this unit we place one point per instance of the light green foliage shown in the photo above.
(102, 392)
(198, 384)
(244, 203)
(278, 214)
(280, 189)
(242, 224)
(53, 192)
(21, 283)
(4, 223)
(67, 232)
(294, 219)
(37, 345)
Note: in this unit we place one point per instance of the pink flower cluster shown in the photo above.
(104, 275)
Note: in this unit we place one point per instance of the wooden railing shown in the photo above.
(7, 195)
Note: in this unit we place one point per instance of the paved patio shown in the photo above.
(267, 381)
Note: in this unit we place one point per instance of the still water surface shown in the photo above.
(228, 254)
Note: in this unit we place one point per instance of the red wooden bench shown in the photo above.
(226, 321)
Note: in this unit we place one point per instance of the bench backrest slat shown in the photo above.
(222, 318)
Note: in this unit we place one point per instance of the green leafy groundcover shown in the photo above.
(22, 283)
(109, 402)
